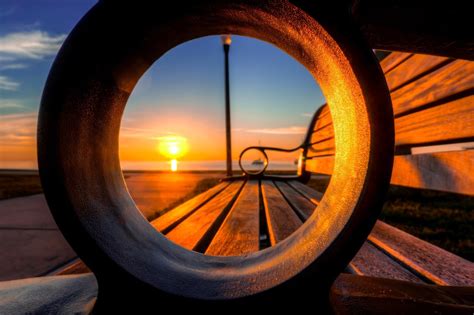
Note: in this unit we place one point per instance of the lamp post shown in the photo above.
(226, 40)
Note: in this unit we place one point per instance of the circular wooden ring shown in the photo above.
(81, 108)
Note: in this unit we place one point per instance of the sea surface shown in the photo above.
(201, 165)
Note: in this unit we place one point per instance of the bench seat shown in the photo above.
(240, 217)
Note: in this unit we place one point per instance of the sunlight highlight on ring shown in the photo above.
(173, 147)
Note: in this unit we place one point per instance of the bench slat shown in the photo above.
(444, 171)
(324, 119)
(455, 77)
(413, 68)
(189, 232)
(239, 233)
(393, 60)
(370, 261)
(281, 219)
(436, 125)
(436, 264)
(326, 147)
(174, 216)
(320, 165)
(302, 206)
(323, 134)
(448, 123)
(312, 195)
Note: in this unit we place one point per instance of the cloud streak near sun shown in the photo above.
(293, 130)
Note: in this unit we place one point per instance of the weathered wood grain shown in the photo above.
(352, 294)
(239, 233)
(74, 268)
(323, 119)
(447, 123)
(322, 134)
(176, 215)
(302, 205)
(443, 171)
(413, 68)
(281, 219)
(324, 111)
(436, 264)
(393, 60)
(453, 78)
(323, 148)
(370, 261)
(320, 165)
(189, 232)
(312, 195)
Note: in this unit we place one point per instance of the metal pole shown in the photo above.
(226, 42)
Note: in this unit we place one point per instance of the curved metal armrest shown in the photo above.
(262, 149)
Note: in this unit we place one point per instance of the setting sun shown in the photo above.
(173, 147)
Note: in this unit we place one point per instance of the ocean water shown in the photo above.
(166, 165)
(201, 165)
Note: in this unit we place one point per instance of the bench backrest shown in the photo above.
(433, 104)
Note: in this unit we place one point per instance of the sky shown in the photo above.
(180, 97)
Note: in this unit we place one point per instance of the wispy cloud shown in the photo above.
(293, 130)
(18, 129)
(30, 45)
(13, 66)
(307, 114)
(8, 84)
(10, 103)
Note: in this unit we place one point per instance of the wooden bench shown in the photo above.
(433, 104)
(240, 217)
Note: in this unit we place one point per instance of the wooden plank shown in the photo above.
(324, 111)
(239, 233)
(189, 232)
(412, 69)
(74, 268)
(448, 123)
(393, 60)
(445, 171)
(174, 216)
(281, 219)
(322, 122)
(320, 165)
(370, 261)
(352, 294)
(455, 77)
(326, 147)
(323, 134)
(312, 195)
(434, 263)
(302, 205)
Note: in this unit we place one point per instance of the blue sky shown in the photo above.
(272, 95)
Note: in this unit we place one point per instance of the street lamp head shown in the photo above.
(226, 40)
